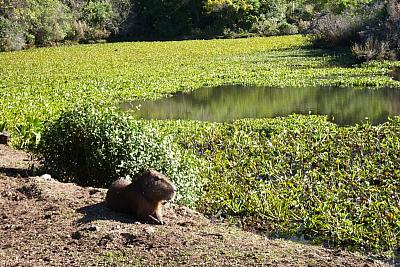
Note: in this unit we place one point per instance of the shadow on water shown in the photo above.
(344, 106)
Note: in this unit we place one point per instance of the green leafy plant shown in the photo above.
(300, 176)
(97, 13)
(287, 29)
(265, 27)
(304, 176)
(94, 147)
(12, 35)
(2, 126)
(51, 21)
(29, 133)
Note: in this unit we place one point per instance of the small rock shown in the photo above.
(150, 230)
(12, 227)
(108, 237)
(46, 176)
(186, 223)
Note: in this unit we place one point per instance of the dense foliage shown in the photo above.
(24, 23)
(371, 31)
(92, 147)
(301, 176)
(306, 177)
(37, 84)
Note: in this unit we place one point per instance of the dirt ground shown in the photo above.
(47, 223)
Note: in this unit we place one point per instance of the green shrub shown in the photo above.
(381, 40)
(332, 30)
(93, 147)
(273, 9)
(51, 23)
(97, 13)
(12, 36)
(287, 29)
(265, 27)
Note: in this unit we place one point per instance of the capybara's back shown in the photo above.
(117, 197)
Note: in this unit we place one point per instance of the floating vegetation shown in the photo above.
(39, 83)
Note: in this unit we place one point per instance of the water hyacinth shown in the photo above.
(39, 83)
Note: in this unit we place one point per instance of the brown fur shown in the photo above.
(143, 197)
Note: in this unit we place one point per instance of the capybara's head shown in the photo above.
(156, 186)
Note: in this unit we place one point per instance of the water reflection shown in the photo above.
(345, 106)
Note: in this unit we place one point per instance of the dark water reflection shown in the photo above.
(345, 106)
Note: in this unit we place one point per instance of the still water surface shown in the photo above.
(345, 106)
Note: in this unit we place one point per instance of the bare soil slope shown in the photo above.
(47, 223)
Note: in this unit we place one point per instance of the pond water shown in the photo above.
(344, 106)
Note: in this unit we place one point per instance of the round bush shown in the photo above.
(287, 29)
(94, 147)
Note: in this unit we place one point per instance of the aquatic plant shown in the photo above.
(301, 176)
(40, 83)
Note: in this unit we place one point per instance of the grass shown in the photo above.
(115, 258)
(38, 83)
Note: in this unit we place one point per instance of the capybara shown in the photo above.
(143, 197)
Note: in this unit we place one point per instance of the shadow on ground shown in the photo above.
(16, 172)
(99, 211)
